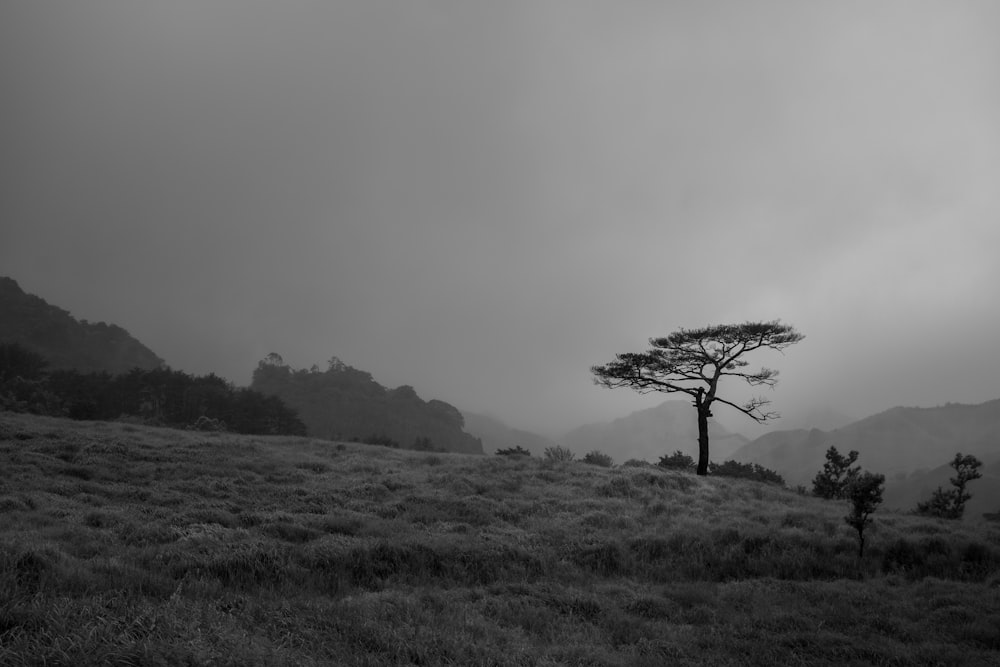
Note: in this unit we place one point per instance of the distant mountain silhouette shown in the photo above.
(824, 419)
(652, 433)
(497, 435)
(64, 341)
(897, 442)
(344, 403)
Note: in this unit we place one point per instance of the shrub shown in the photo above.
(558, 453)
(676, 461)
(951, 504)
(837, 474)
(513, 451)
(751, 471)
(599, 459)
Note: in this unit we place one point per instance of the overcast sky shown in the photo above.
(483, 199)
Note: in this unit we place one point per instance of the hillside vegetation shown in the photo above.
(346, 403)
(64, 341)
(133, 545)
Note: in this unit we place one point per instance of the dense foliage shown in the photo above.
(161, 397)
(65, 342)
(598, 458)
(345, 403)
(833, 480)
(513, 451)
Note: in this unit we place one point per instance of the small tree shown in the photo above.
(694, 361)
(951, 504)
(837, 474)
(865, 494)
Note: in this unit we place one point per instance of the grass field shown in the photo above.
(130, 545)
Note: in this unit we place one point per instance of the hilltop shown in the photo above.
(347, 403)
(64, 341)
(127, 544)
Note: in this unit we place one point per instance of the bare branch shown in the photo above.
(752, 409)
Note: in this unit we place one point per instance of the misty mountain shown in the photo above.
(918, 487)
(824, 419)
(897, 442)
(64, 341)
(497, 435)
(345, 403)
(651, 433)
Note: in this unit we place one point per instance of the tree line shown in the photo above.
(161, 396)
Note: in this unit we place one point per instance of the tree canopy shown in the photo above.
(695, 361)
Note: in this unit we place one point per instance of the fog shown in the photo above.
(484, 199)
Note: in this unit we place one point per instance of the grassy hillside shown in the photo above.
(133, 545)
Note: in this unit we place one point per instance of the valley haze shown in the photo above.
(483, 200)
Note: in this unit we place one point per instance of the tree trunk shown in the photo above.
(703, 414)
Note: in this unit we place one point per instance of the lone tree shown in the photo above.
(694, 361)
(865, 493)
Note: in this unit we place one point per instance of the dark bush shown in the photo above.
(677, 461)
(837, 474)
(513, 451)
(599, 459)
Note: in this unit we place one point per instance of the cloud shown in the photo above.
(484, 199)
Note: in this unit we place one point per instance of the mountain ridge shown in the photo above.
(901, 442)
(495, 434)
(66, 342)
(347, 403)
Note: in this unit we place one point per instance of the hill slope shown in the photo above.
(651, 433)
(497, 435)
(897, 442)
(135, 545)
(345, 403)
(65, 341)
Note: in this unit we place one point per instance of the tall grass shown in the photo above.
(132, 545)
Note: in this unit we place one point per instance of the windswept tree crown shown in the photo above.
(693, 361)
